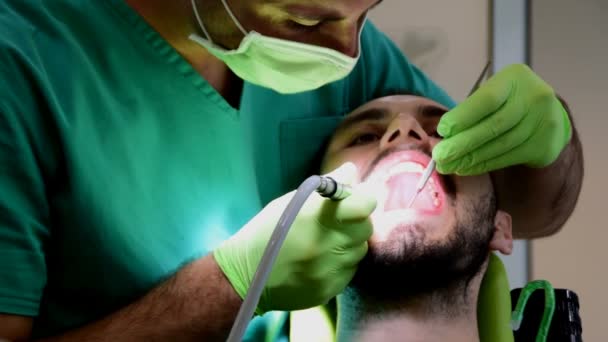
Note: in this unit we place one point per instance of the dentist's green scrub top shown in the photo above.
(119, 163)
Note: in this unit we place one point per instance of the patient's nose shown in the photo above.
(405, 129)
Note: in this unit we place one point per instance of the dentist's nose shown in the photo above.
(405, 129)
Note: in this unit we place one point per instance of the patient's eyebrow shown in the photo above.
(371, 114)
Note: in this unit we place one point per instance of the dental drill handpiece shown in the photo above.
(324, 186)
(426, 175)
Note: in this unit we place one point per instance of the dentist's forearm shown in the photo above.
(541, 200)
(196, 304)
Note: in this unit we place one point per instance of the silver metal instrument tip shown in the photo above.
(426, 175)
(409, 205)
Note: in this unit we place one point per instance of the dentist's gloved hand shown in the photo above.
(319, 256)
(515, 118)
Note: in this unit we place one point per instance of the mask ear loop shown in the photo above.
(233, 17)
(361, 33)
(200, 21)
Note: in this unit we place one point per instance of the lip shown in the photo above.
(404, 156)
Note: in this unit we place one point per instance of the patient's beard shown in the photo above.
(439, 272)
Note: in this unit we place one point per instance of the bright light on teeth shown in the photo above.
(403, 167)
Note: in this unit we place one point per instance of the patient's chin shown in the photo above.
(420, 256)
(407, 265)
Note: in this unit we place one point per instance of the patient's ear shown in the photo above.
(502, 240)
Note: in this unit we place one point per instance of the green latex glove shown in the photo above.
(514, 118)
(319, 256)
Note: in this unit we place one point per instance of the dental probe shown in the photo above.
(422, 181)
(426, 175)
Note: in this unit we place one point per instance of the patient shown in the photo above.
(420, 279)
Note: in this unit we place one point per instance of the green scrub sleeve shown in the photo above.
(24, 211)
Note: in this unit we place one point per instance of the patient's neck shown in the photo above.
(448, 314)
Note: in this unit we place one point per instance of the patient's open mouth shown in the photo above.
(397, 176)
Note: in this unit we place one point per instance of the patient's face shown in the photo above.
(448, 227)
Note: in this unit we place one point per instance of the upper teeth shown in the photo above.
(402, 167)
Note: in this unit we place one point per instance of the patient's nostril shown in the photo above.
(412, 133)
(393, 136)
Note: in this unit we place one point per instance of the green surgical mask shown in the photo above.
(282, 65)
